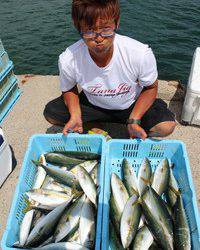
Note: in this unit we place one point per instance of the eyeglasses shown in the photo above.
(106, 32)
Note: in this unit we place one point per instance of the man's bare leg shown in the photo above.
(162, 129)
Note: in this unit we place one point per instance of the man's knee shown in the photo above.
(164, 128)
(54, 121)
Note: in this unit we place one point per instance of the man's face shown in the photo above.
(99, 45)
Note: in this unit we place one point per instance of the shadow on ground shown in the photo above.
(176, 102)
(54, 129)
(14, 160)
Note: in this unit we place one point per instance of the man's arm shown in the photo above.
(71, 100)
(143, 103)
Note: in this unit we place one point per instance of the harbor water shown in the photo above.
(34, 33)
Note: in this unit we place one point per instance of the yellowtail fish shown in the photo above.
(69, 221)
(87, 184)
(62, 246)
(40, 174)
(161, 177)
(129, 178)
(87, 224)
(59, 159)
(181, 228)
(119, 192)
(130, 220)
(48, 197)
(45, 228)
(144, 175)
(158, 218)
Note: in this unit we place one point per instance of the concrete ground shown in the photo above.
(26, 119)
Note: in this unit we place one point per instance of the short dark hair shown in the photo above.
(88, 11)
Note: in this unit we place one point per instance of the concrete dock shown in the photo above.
(27, 119)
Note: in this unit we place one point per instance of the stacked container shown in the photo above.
(9, 91)
(5, 158)
(191, 106)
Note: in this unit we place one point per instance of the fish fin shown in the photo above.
(151, 179)
(28, 205)
(135, 192)
(148, 182)
(74, 192)
(177, 193)
(37, 163)
(139, 200)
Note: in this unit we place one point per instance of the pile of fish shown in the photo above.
(146, 211)
(62, 204)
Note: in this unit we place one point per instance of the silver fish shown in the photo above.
(161, 177)
(181, 228)
(94, 174)
(62, 246)
(62, 160)
(61, 176)
(144, 175)
(40, 174)
(87, 224)
(87, 184)
(25, 227)
(74, 237)
(87, 165)
(158, 218)
(129, 178)
(143, 239)
(119, 192)
(69, 220)
(48, 197)
(130, 220)
(173, 189)
(44, 229)
(115, 214)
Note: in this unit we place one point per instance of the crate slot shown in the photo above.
(84, 148)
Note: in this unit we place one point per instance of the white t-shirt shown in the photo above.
(116, 86)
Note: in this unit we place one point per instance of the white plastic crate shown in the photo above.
(5, 158)
(191, 106)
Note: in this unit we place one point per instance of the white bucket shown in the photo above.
(5, 158)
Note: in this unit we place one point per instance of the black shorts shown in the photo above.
(158, 112)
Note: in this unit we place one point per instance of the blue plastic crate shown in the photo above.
(8, 81)
(135, 151)
(6, 70)
(4, 60)
(8, 101)
(38, 145)
(1, 47)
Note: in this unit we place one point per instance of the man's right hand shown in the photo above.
(75, 124)
(136, 131)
